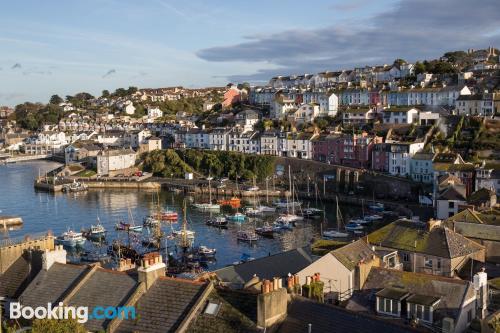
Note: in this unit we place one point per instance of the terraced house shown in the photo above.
(427, 247)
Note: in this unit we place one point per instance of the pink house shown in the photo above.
(231, 96)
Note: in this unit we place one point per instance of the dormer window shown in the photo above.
(421, 307)
(389, 301)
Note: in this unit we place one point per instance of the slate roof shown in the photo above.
(412, 236)
(50, 286)
(480, 196)
(451, 292)
(18, 275)
(237, 313)
(163, 307)
(278, 265)
(103, 288)
(329, 318)
(453, 192)
(352, 254)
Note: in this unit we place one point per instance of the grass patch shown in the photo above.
(86, 173)
(323, 246)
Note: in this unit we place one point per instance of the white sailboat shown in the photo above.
(289, 217)
(336, 233)
(208, 205)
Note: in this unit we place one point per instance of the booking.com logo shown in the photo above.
(81, 313)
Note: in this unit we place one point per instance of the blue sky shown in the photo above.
(65, 47)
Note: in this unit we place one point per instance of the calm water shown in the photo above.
(42, 211)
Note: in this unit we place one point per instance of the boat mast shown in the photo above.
(267, 190)
(290, 190)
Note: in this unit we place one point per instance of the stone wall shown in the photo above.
(10, 253)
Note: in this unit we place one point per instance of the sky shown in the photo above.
(65, 47)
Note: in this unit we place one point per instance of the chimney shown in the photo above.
(151, 268)
(432, 224)
(480, 283)
(271, 303)
(49, 257)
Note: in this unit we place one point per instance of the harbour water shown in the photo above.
(42, 211)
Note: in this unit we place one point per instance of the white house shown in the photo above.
(399, 156)
(449, 201)
(297, 145)
(218, 138)
(306, 113)
(46, 142)
(343, 270)
(358, 116)
(328, 103)
(400, 115)
(154, 112)
(110, 161)
(129, 108)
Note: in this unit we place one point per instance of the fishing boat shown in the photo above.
(236, 217)
(266, 231)
(218, 222)
(247, 236)
(75, 187)
(207, 205)
(335, 233)
(167, 215)
(233, 202)
(70, 238)
(206, 251)
(354, 227)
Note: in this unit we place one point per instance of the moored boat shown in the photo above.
(247, 236)
(236, 217)
(354, 227)
(70, 238)
(123, 226)
(266, 230)
(218, 222)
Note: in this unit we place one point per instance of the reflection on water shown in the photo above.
(42, 211)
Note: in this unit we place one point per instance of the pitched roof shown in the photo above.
(412, 236)
(277, 265)
(50, 286)
(237, 312)
(20, 272)
(163, 307)
(103, 288)
(353, 253)
(451, 292)
(453, 192)
(329, 318)
(480, 196)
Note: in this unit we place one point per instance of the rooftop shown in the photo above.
(412, 236)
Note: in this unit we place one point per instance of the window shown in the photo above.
(388, 306)
(427, 262)
(469, 316)
(406, 257)
(422, 312)
(439, 264)
(451, 204)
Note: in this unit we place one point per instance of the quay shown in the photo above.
(7, 222)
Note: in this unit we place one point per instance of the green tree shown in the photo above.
(105, 93)
(399, 62)
(419, 68)
(55, 99)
